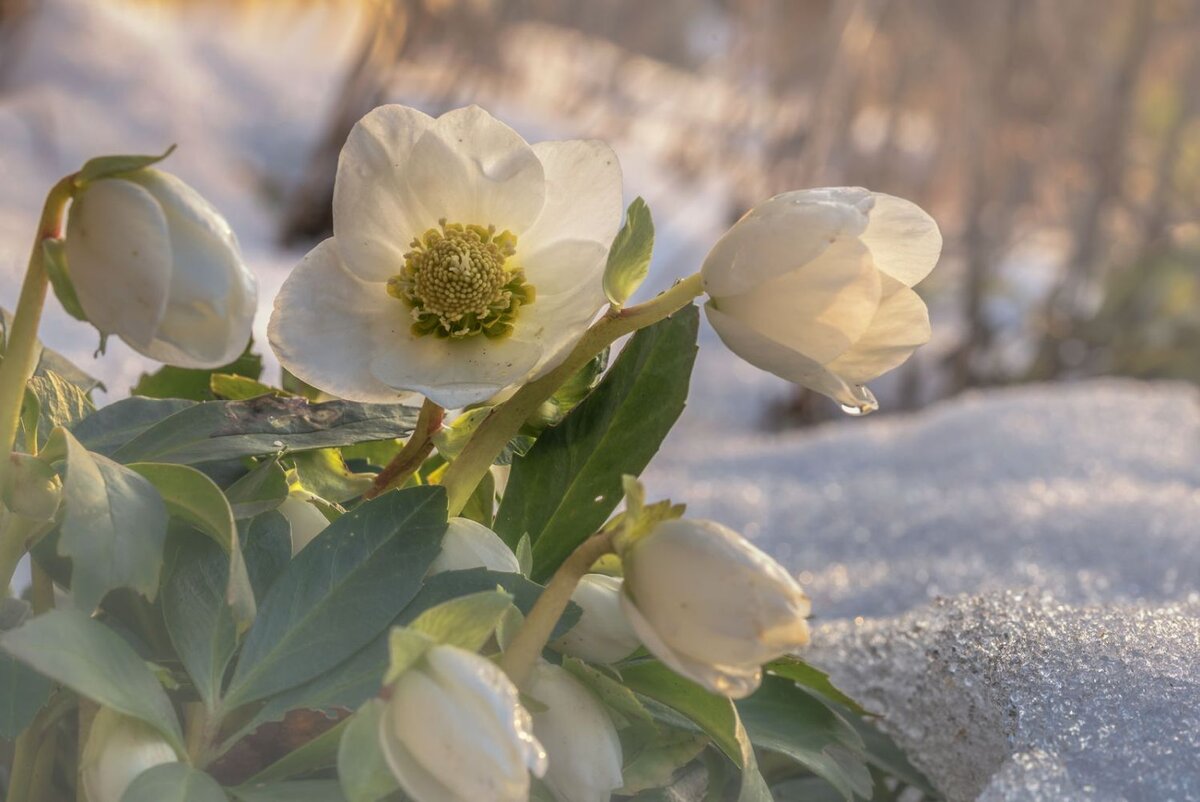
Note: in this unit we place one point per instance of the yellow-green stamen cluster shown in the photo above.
(457, 282)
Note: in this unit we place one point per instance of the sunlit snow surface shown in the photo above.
(1061, 525)
(1061, 522)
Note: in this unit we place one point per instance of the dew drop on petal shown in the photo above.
(865, 403)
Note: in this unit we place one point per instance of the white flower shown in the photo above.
(306, 520)
(454, 730)
(118, 749)
(814, 286)
(581, 741)
(603, 635)
(463, 260)
(468, 544)
(155, 264)
(710, 605)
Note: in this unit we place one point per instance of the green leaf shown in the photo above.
(194, 499)
(455, 584)
(629, 256)
(220, 430)
(199, 622)
(170, 381)
(267, 548)
(55, 259)
(405, 648)
(481, 506)
(341, 591)
(363, 772)
(174, 782)
(114, 166)
(324, 473)
(261, 490)
(564, 489)
(656, 763)
(23, 691)
(300, 791)
(785, 718)
(524, 552)
(615, 695)
(114, 525)
(884, 754)
(466, 622)
(55, 402)
(112, 426)
(239, 388)
(567, 397)
(715, 715)
(50, 360)
(92, 660)
(814, 679)
(319, 753)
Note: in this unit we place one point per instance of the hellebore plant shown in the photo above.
(312, 590)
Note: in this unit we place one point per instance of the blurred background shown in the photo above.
(1057, 142)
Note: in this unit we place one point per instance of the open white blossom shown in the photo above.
(463, 260)
(710, 605)
(454, 730)
(581, 742)
(815, 286)
(118, 749)
(155, 264)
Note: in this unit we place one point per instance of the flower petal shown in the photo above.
(583, 194)
(119, 257)
(452, 373)
(904, 240)
(787, 363)
(376, 213)
(900, 327)
(417, 781)
(566, 265)
(782, 234)
(736, 682)
(327, 323)
(213, 296)
(820, 308)
(469, 167)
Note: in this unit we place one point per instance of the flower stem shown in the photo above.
(414, 452)
(526, 647)
(504, 421)
(21, 351)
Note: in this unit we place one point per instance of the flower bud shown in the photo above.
(602, 635)
(33, 488)
(815, 287)
(152, 262)
(118, 749)
(468, 544)
(710, 605)
(454, 730)
(306, 520)
(581, 741)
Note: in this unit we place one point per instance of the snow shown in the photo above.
(1009, 577)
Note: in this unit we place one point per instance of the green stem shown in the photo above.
(505, 420)
(414, 452)
(22, 349)
(526, 647)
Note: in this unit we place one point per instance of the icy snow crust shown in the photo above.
(1061, 522)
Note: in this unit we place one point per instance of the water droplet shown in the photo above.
(864, 402)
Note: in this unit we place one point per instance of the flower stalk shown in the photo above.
(525, 649)
(506, 419)
(21, 349)
(414, 452)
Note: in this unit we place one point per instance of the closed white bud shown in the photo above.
(603, 634)
(815, 286)
(306, 520)
(581, 741)
(710, 605)
(454, 730)
(468, 544)
(155, 264)
(119, 749)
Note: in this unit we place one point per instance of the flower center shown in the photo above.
(458, 282)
